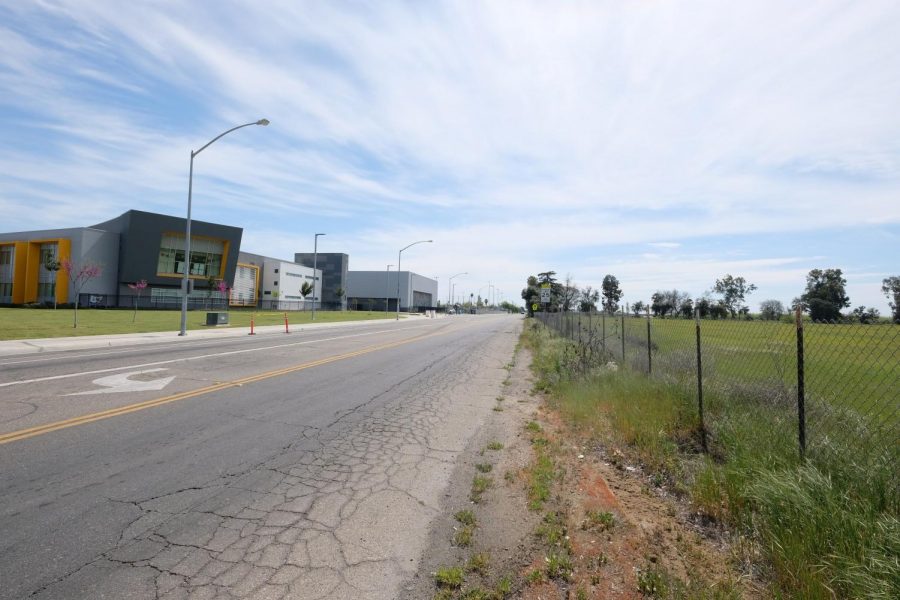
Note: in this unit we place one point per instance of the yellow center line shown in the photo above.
(22, 434)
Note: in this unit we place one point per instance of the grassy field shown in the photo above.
(24, 323)
(824, 527)
(851, 371)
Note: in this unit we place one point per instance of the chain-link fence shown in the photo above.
(828, 392)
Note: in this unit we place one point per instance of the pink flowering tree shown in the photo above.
(79, 275)
(222, 288)
(137, 287)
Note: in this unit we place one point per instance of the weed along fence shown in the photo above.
(826, 392)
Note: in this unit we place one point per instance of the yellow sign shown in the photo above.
(545, 286)
(534, 307)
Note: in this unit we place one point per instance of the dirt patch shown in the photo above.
(625, 537)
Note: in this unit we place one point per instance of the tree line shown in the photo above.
(823, 299)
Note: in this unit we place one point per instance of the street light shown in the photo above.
(315, 278)
(449, 287)
(187, 228)
(398, 272)
(479, 294)
(387, 283)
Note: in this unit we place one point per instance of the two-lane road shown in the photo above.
(299, 466)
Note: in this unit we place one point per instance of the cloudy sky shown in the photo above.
(668, 143)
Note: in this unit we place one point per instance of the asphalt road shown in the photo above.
(280, 466)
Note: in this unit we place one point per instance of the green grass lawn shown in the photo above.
(847, 365)
(25, 323)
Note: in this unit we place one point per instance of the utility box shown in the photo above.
(217, 318)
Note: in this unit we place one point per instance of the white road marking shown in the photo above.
(119, 383)
(200, 357)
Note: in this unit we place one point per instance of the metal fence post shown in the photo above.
(700, 383)
(603, 334)
(623, 338)
(649, 351)
(801, 393)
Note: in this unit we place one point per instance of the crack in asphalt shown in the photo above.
(345, 518)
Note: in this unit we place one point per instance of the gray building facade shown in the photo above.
(378, 290)
(134, 246)
(334, 268)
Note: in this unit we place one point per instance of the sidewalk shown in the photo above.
(35, 346)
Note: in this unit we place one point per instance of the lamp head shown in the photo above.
(263, 122)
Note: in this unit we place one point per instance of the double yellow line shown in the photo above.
(23, 434)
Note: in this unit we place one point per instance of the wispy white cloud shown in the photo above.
(523, 135)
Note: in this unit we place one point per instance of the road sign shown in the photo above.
(545, 295)
(535, 306)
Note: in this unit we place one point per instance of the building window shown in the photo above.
(6, 271)
(46, 290)
(276, 270)
(206, 256)
(274, 283)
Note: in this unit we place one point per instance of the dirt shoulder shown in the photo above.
(595, 528)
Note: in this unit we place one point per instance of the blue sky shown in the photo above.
(668, 143)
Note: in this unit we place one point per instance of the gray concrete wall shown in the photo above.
(371, 284)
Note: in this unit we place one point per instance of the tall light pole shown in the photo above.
(450, 287)
(479, 293)
(315, 277)
(398, 272)
(387, 283)
(187, 227)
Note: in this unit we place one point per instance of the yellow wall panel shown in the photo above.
(63, 251)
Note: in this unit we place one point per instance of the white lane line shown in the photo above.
(63, 354)
(200, 357)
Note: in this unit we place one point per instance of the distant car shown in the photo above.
(451, 312)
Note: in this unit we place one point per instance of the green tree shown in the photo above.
(865, 315)
(638, 308)
(733, 291)
(771, 310)
(612, 293)
(891, 288)
(306, 289)
(687, 308)
(587, 302)
(568, 294)
(531, 294)
(703, 306)
(825, 294)
(665, 302)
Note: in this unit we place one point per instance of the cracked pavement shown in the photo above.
(339, 508)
